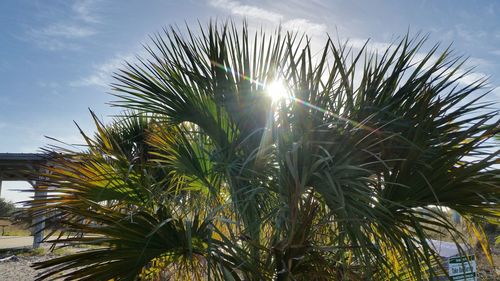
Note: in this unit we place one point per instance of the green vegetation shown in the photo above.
(16, 229)
(34, 252)
(9, 226)
(6, 208)
(206, 177)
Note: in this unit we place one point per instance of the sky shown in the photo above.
(57, 56)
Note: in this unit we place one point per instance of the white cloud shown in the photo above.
(63, 33)
(380, 47)
(236, 8)
(83, 10)
(64, 30)
(254, 12)
(102, 74)
(496, 92)
(470, 78)
(306, 26)
(53, 44)
(50, 85)
(97, 79)
(469, 35)
(372, 46)
(480, 62)
(59, 36)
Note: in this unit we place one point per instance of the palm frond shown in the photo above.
(346, 179)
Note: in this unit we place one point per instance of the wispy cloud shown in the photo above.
(236, 8)
(64, 30)
(258, 13)
(64, 33)
(464, 78)
(496, 92)
(102, 74)
(372, 46)
(84, 10)
(58, 36)
(51, 43)
(469, 35)
(306, 26)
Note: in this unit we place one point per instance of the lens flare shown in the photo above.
(277, 90)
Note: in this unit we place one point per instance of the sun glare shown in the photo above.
(277, 90)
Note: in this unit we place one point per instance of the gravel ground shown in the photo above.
(487, 272)
(15, 265)
(19, 269)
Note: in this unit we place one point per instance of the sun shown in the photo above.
(277, 90)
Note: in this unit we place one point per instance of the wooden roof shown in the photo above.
(20, 166)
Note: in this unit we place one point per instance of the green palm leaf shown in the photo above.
(208, 177)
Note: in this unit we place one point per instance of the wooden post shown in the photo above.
(455, 216)
(38, 221)
(0, 186)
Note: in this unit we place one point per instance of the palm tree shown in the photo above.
(253, 157)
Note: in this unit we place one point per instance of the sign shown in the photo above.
(462, 268)
(460, 260)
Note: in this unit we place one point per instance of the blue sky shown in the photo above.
(57, 57)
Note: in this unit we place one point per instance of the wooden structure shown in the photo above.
(25, 167)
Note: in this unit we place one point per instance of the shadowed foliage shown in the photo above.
(207, 178)
(6, 208)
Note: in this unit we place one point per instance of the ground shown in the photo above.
(17, 255)
(17, 263)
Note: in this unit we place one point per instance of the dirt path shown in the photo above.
(9, 242)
